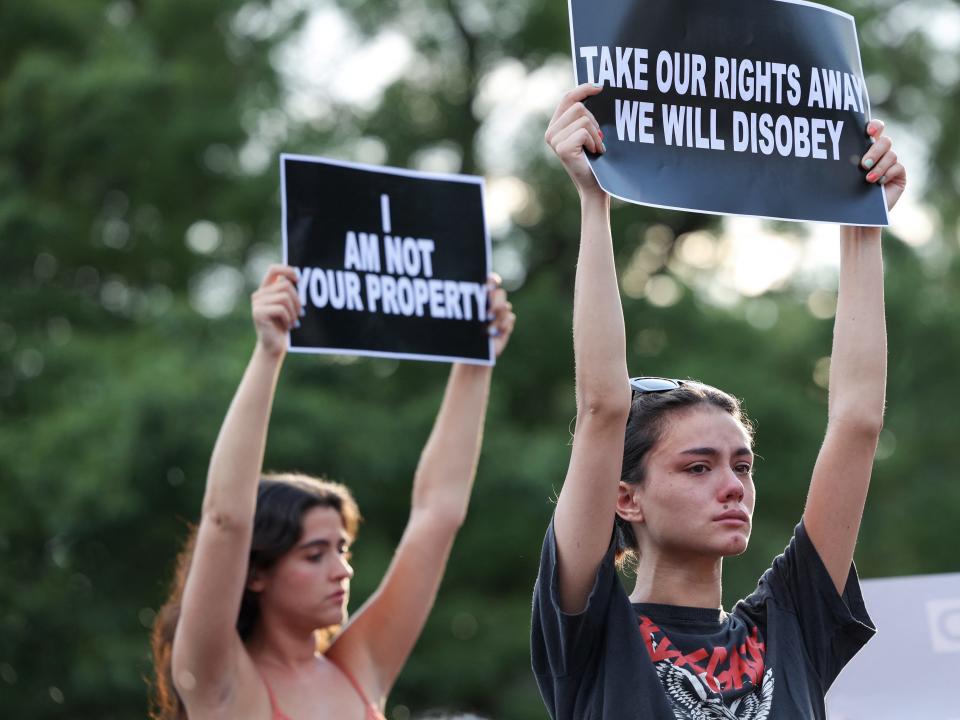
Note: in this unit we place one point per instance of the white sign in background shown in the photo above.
(911, 667)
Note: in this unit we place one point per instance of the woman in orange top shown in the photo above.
(264, 581)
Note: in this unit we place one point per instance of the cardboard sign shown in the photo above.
(391, 263)
(748, 107)
(910, 668)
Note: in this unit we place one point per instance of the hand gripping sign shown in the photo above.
(390, 263)
(750, 107)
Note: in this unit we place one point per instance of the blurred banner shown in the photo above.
(911, 667)
(749, 107)
(391, 263)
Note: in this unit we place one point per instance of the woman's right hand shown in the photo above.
(572, 129)
(276, 308)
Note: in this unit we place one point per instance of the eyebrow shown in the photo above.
(713, 452)
(321, 544)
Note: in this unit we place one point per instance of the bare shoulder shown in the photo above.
(350, 654)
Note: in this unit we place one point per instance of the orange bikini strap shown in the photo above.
(275, 712)
(356, 686)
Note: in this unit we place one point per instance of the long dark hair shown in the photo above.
(282, 501)
(649, 412)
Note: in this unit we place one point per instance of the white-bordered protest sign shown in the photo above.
(391, 262)
(918, 639)
(748, 107)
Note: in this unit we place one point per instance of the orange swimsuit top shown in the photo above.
(373, 713)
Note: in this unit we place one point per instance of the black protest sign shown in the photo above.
(390, 262)
(750, 107)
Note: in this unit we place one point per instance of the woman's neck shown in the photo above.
(686, 581)
(281, 645)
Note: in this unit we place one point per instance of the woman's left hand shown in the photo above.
(501, 311)
(882, 166)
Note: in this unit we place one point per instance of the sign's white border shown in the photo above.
(816, 6)
(448, 177)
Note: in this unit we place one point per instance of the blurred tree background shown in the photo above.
(139, 206)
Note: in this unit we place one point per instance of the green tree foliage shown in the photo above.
(138, 202)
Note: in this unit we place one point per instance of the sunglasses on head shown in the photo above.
(654, 384)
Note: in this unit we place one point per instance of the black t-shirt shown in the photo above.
(773, 657)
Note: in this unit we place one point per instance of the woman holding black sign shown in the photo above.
(264, 581)
(685, 500)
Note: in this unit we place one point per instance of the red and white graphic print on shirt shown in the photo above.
(695, 681)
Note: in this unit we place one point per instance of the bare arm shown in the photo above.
(207, 648)
(378, 640)
(584, 517)
(858, 371)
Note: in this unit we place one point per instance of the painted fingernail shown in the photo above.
(597, 84)
(883, 179)
(603, 148)
(871, 177)
(601, 134)
(493, 332)
(868, 163)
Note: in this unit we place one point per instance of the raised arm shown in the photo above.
(583, 522)
(206, 647)
(378, 639)
(858, 373)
